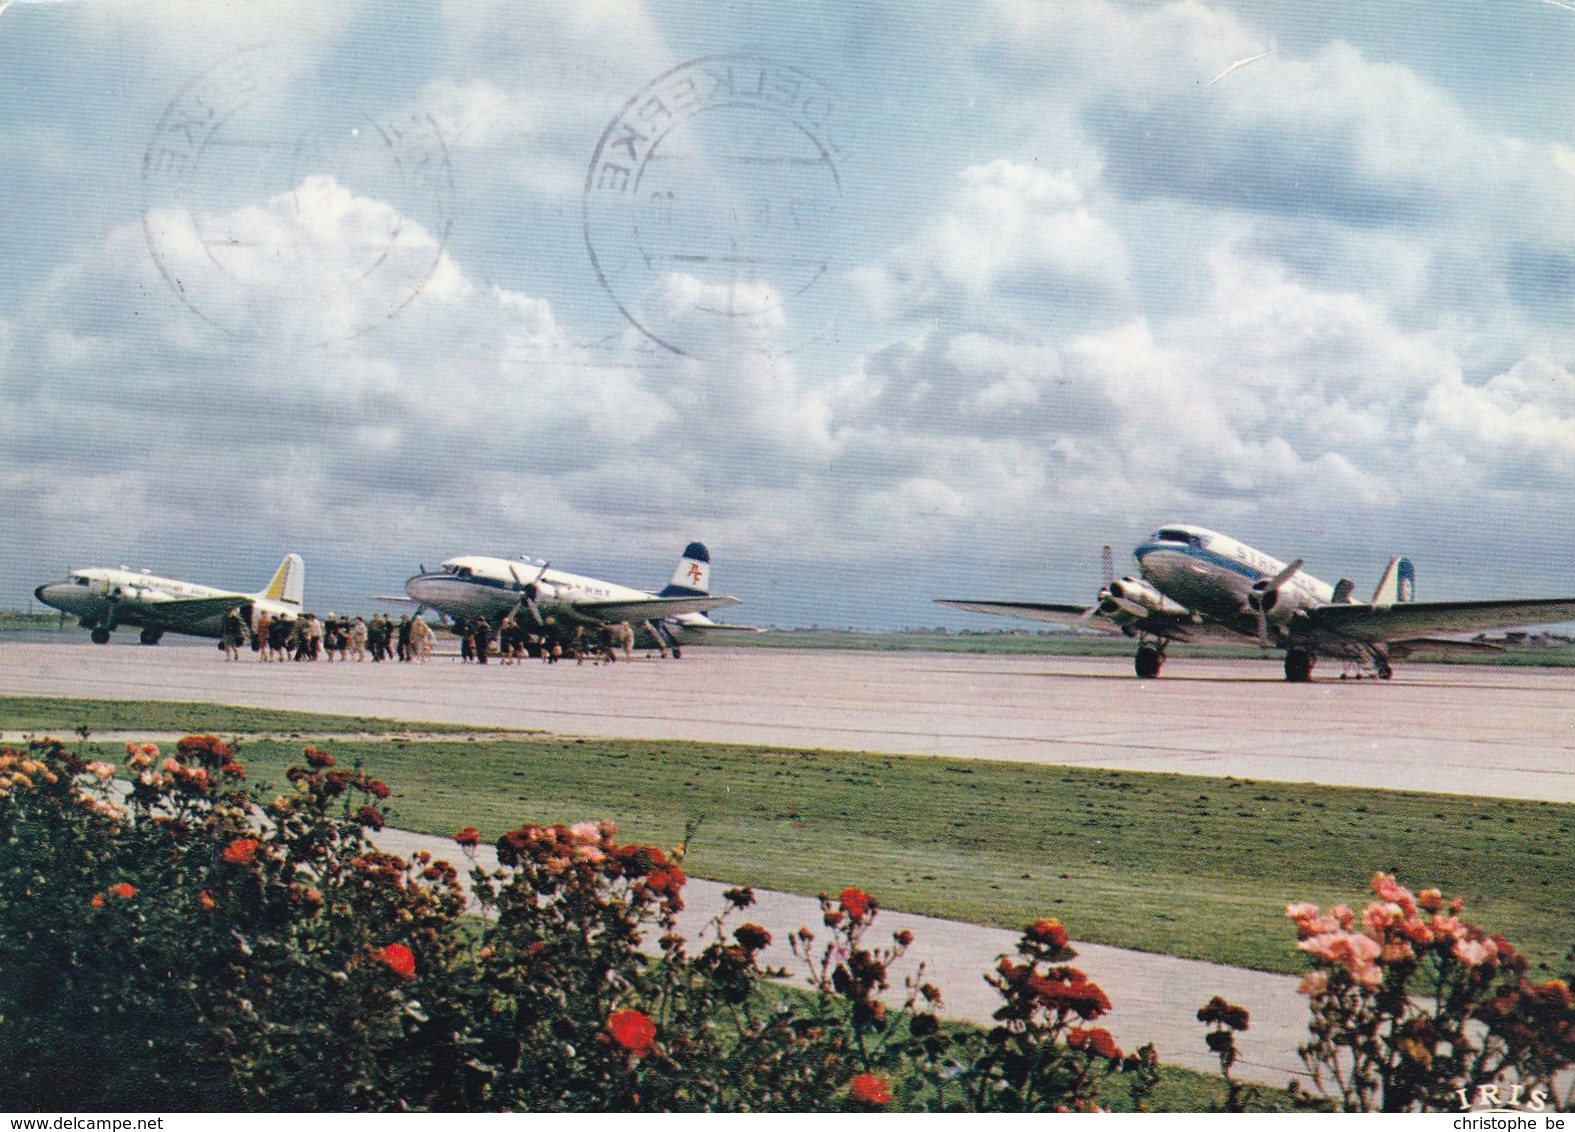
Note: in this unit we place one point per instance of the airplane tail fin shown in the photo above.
(289, 582)
(692, 578)
(1398, 585)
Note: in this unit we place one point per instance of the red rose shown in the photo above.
(241, 851)
(855, 903)
(399, 959)
(632, 1030)
(1047, 931)
(318, 758)
(1096, 1040)
(868, 1089)
(123, 890)
(469, 837)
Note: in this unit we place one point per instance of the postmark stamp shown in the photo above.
(262, 214)
(710, 201)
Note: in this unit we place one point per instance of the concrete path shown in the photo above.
(1155, 998)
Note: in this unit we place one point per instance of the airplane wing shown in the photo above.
(642, 609)
(1186, 629)
(187, 613)
(1378, 624)
(1399, 650)
(1053, 612)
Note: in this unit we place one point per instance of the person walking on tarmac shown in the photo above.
(233, 634)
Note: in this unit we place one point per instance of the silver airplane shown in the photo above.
(103, 598)
(1199, 585)
(479, 586)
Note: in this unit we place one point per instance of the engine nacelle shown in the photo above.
(1137, 598)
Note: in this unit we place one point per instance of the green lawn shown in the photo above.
(1181, 865)
(64, 717)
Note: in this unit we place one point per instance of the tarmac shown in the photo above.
(1474, 730)
(1480, 731)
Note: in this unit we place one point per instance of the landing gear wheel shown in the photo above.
(100, 636)
(677, 653)
(151, 636)
(1298, 666)
(1384, 671)
(1148, 662)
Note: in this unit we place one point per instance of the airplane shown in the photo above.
(1199, 585)
(478, 586)
(102, 599)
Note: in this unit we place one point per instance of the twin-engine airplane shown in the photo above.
(103, 599)
(476, 586)
(1198, 585)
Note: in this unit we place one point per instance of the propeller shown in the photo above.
(1107, 562)
(1264, 595)
(529, 591)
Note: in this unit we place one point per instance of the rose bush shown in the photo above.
(1416, 1008)
(176, 937)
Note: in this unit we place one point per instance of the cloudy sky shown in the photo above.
(882, 301)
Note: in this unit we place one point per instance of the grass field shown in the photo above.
(62, 716)
(1182, 865)
(15, 621)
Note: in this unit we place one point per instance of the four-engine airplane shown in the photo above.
(102, 599)
(478, 586)
(1198, 585)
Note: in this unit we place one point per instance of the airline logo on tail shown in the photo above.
(692, 578)
(289, 582)
(1398, 585)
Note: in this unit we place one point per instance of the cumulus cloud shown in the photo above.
(1008, 226)
(1322, 298)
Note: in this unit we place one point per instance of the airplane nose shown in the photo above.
(40, 593)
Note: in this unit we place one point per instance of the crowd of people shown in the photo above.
(412, 639)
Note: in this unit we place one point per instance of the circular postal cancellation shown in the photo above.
(262, 225)
(710, 204)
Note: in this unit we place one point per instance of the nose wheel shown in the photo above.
(1298, 666)
(1148, 662)
(100, 636)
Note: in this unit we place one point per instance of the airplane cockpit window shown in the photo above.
(80, 580)
(463, 571)
(1172, 534)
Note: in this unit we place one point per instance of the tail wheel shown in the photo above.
(1148, 662)
(1298, 666)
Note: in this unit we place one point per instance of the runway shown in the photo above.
(1473, 730)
